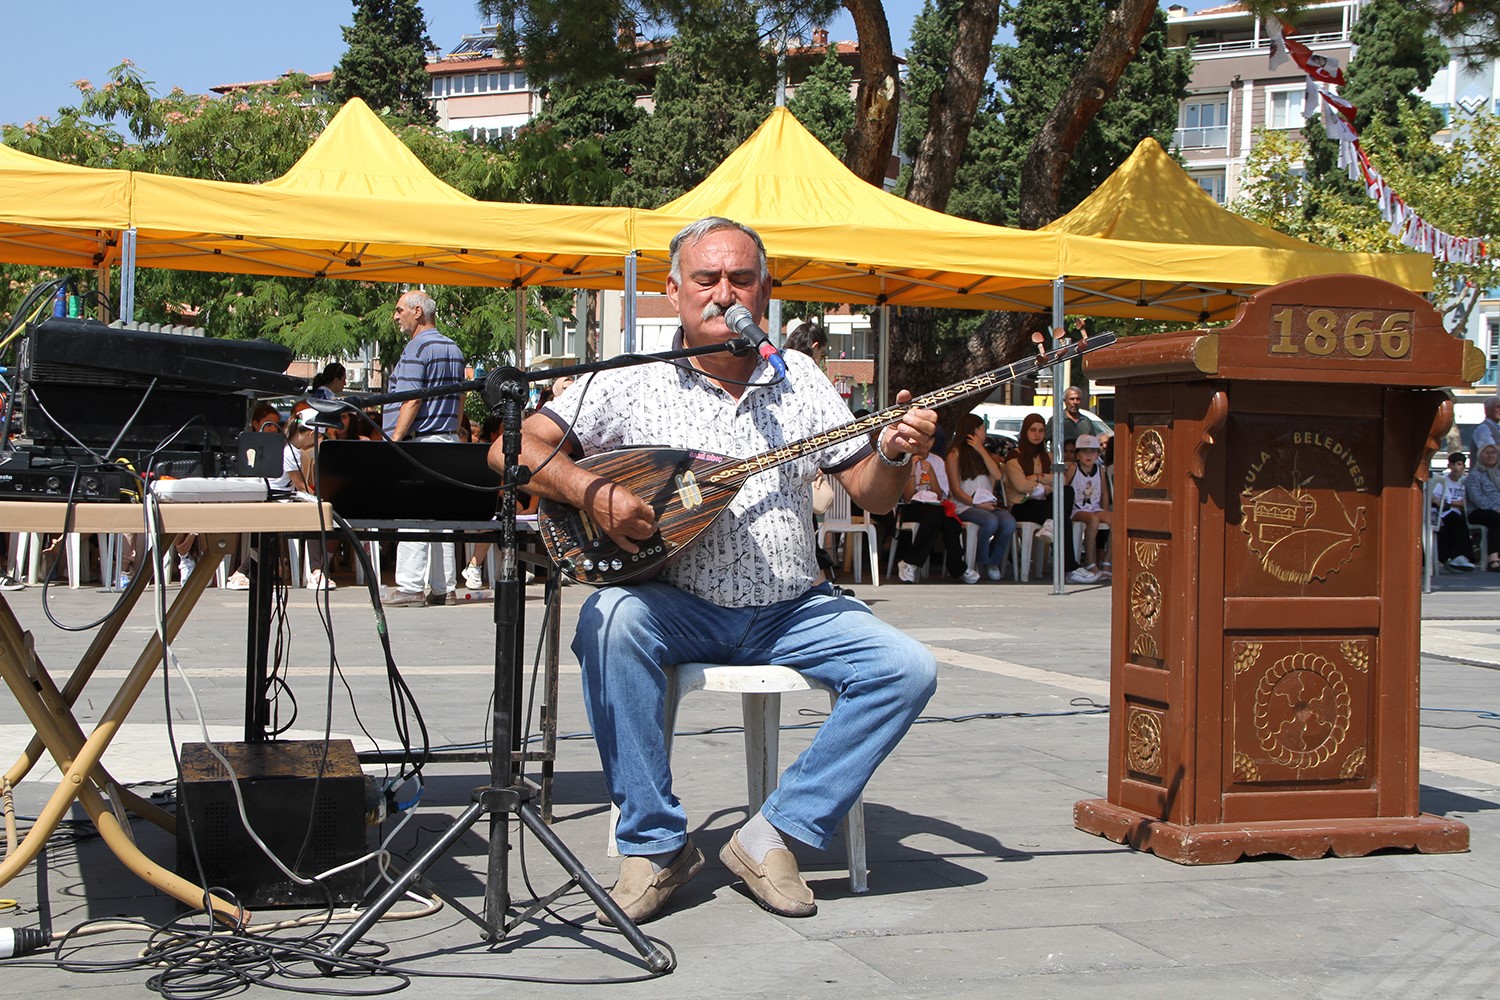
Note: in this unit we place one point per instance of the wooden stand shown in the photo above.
(1265, 661)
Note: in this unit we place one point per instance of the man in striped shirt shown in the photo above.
(429, 359)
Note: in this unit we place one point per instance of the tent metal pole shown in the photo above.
(627, 335)
(520, 310)
(1062, 534)
(883, 378)
(127, 275)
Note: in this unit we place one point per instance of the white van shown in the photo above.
(1000, 418)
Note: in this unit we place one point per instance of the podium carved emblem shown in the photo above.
(1303, 517)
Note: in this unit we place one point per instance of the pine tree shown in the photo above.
(1053, 37)
(386, 59)
(822, 102)
(713, 90)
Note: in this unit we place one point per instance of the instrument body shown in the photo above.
(674, 481)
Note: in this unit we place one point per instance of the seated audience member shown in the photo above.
(974, 477)
(1092, 505)
(1029, 482)
(922, 502)
(1482, 500)
(1455, 550)
(809, 338)
(296, 465)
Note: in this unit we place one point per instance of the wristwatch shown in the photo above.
(880, 453)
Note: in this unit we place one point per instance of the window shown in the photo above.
(1213, 184)
(1205, 124)
(1492, 372)
(1284, 109)
(518, 81)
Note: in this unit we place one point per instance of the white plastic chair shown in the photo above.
(1026, 541)
(840, 520)
(760, 687)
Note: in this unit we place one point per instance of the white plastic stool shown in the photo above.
(760, 687)
(1026, 540)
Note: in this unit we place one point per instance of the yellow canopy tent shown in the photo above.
(58, 215)
(360, 205)
(832, 237)
(1150, 243)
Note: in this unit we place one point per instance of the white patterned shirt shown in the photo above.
(760, 550)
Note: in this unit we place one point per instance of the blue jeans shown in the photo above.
(627, 633)
(996, 528)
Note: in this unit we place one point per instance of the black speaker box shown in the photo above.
(283, 795)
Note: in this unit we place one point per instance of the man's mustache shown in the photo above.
(711, 311)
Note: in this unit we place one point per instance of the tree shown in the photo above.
(1076, 91)
(1396, 58)
(822, 102)
(386, 59)
(253, 136)
(714, 88)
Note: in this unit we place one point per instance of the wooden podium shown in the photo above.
(1264, 668)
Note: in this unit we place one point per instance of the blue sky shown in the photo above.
(196, 44)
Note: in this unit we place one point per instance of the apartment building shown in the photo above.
(1233, 92)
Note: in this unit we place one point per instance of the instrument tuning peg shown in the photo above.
(1040, 340)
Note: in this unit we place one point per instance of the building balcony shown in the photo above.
(1240, 46)
(1205, 137)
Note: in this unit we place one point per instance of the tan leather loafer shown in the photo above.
(777, 885)
(641, 890)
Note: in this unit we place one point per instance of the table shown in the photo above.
(49, 707)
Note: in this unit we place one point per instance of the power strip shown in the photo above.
(211, 490)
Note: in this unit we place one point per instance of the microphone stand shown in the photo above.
(505, 392)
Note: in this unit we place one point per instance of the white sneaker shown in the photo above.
(1105, 574)
(906, 572)
(472, 579)
(1046, 530)
(317, 581)
(971, 576)
(992, 572)
(8, 582)
(1461, 562)
(237, 581)
(1083, 575)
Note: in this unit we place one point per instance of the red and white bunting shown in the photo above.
(1338, 122)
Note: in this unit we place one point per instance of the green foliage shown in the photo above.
(1455, 187)
(927, 60)
(823, 103)
(713, 90)
(258, 135)
(386, 59)
(571, 43)
(1397, 56)
(579, 149)
(1052, 39)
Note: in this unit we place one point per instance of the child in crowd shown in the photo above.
(1092, 505)
(1448, 501)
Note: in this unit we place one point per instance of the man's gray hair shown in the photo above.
(424, 302)
(1492, 402)
(695, 231)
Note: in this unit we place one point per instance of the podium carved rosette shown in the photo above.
(1264, 667)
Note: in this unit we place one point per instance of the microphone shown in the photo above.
(742, 323)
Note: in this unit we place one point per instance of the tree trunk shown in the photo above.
(1006, 337)
(953, 106)
(1052, 149)
(876, 102)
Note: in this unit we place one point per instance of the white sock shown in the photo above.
(663, 860)
(759, 838)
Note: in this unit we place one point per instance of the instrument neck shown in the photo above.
(737, 472)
